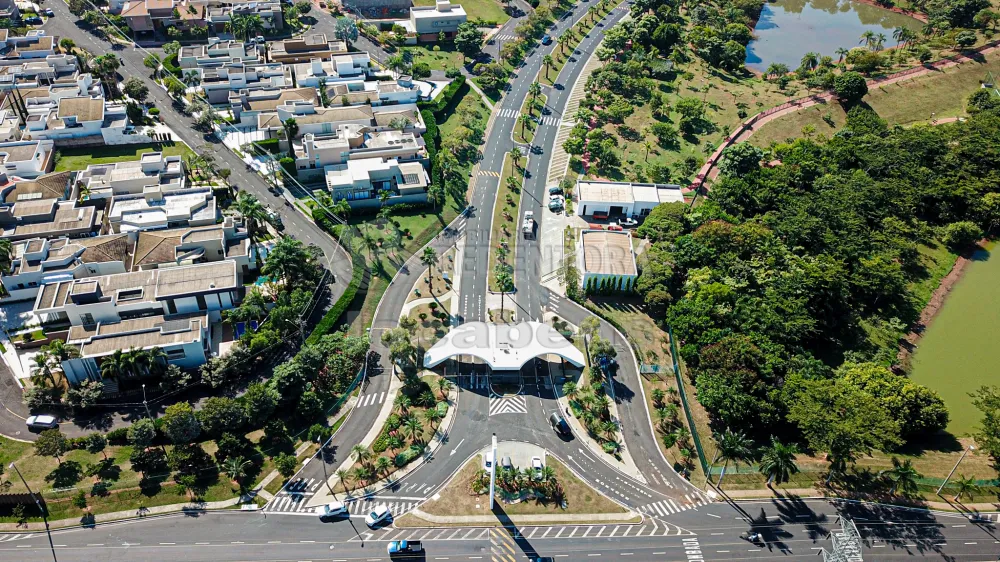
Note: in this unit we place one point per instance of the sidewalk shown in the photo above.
(190, 507)
(812, 493)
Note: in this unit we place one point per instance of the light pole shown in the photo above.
(38, 504)
(954, 468)
(144, 403)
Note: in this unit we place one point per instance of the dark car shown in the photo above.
(559, 425)
(546, 40)
(49, 13)
(32, 20)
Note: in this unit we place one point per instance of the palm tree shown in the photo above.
(253, 213)
(394, 442)
(413, 428)
(868, 38)
(444, 385)
(609, 429)
(344, 475)
(361, 453)
(778, 462)
(547, 63)
(382, 464)
(647, 146)
(880, 40)
(841, 53)
(776, 69)
(191, 78)
(157, 359)
(903, 477)
(734, 447)
(810, 61)
(246, 25)
(534, 90)
(236, 469)
(291, 128)
(570, 390)
(42, 369)
(113, 367)
(402, 402)
(433, 415)
(563, 40)
(523, 119)
(60, 351)
(966, 487)
(899, 34)
(429, 258)
(515, 156)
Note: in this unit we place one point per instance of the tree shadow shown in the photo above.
(67, 474)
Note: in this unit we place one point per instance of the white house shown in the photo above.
(34, 44)
(30, 73)
(352, 142)
(219, 84)
(361, 181)
(334, 69)
(317, 120)
(246, 105)
(428, 22)
(83, 117)
(156, 249)
(623, 199)
(26, 159)
(38, 261)
(216, 53)
(606, 256)
(152, 170)
(155, 209)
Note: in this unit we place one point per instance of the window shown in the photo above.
(175, 354)
(201, 302)
(171, 307)
(87, 319)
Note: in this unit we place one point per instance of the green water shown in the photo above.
(959, 353)
(788, 29)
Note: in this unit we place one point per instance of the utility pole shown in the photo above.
(41, 510)
(493, 470)
(144, 403)
(954, 468)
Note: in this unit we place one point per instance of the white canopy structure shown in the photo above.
(503, 347)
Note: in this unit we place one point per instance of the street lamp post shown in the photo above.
(954, 468)
(144, 403)
(38, 504)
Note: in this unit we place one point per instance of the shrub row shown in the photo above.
(269, 145)
(442, 101)
(411, 452)
(329, 321)
(172, 66)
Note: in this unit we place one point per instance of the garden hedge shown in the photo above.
(411, 452)
(332, 316)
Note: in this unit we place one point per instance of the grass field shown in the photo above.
(486, 10)
(911, 102)
(503, 229)
(80, 158)
(443, 59)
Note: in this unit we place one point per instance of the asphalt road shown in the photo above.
(791, 530)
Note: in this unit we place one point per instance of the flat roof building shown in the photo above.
(623, 199)
(606, 260)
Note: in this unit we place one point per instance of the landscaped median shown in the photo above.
(530, 117)
(504, 232)
(570, 39)
(558, 496)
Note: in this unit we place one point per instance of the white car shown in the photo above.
(488, 461)
(377, 515)
(536, 468)
(43, 421)
(332, 509)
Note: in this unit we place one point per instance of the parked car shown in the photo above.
(615, 227)
(536, 468)
(629, 221)
(47, 12)
(32, 20)
(558, 424)
(601, 215)
(488, 461)
(506, 463)
(546, 39)
(378, 514)
(555, 190)
(332, 509)
(405, 550)
(42, 421)
(259, 40)
(555, 205)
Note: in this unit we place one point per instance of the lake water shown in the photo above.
(959, 352)
(788, 29)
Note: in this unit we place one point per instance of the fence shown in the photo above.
(730, 139)
(687, 407)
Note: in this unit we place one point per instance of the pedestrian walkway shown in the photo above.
(373, 399)
(295, 502)
(516, 404)
(11, 538)
(669, 507)
(559, 162)
(503, 547)
(650, 528)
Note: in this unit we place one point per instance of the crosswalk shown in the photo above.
(516, 404)
(504, 37)
(651, 528)
(503, 546)
(8, 538)
(551, 120)
(509, 113)
(372, 399)
(669, 507)
(294, 497)
(489, 173)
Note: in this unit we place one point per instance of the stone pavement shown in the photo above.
(193, 507)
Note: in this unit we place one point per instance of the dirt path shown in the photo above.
(708, 171)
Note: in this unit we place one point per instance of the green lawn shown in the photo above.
(80, 158)
(486, 10)
(503, 229)
(443, 59)
(943, 93)
(526, 133)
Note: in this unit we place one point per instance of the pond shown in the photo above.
(959, 351)
(788, 29)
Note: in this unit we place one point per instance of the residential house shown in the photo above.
(218, 52)
(38, 261)
(246, 105)
(317, 120)
(623, 199)
(48, 218)
(340, 67)
(84, 118)
(379, 9)
(427, 23)
(153, 170)
(354, 142)
(185, 339)
(34, 44)
(155, 249)
(306, 48)
(218, 15)
(144, 16)
(25, 159)
(220, 84)
(31, 73)
(155, 209)
(9, 11)
(362, 181)
(10, 122)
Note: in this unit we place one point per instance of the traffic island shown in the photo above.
(560, 497)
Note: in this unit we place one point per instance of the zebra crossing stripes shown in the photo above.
(503, 548)
(550, 120)
(504, 37)
(489, 173)
(545, 119)
(669, 506)
(509, 113)
(370, 399)
(396, 508)
(17, 537)
(516, 404)
(653, 528)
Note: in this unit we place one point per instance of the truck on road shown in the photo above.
(406, 550)
(528, 227)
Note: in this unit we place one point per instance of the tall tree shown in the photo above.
(734, 447)
(777, 461)
(429, 259)
(253, 214)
